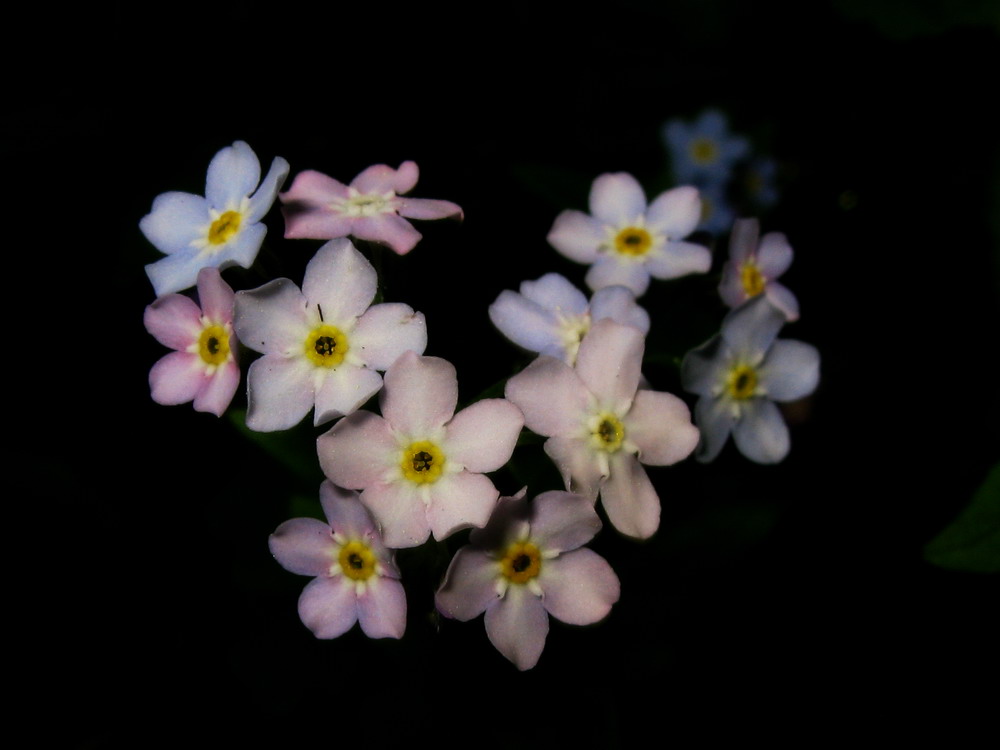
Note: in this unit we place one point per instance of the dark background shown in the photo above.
(772, 598)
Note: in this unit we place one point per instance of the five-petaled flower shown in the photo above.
(222, 229)
(551, 316)
(203, 368)
(704, 152)
(421, 466)
(526, 564)
(739, 374)
(626, 240)
(601, 428)
(322, 345)
(355, 576)
(754, 264)
(371, 208)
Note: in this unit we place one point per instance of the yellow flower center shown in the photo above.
(326, 346)
(521, 562)
(753, 280)
(633, 241)
(357, 561)
(213, 345)
(704, 151)
(366, 204)
(742, 382)
(422, 462)
(224, 228)
(609, 433)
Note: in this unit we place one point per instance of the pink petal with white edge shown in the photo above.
(272, 318)
(551, 396)
(344, 391)
(517, 626)
(482, 437)
(387, 330)
(357, 451)
(676, 259)
(420, 394)
(315, 188)
(659, 424)
(631, 502)
(279, 392)
(774, 255)
(307, 222)
(617, 199)
(303, 546)
(381, 178)
(215, 296)
(608, 270)
(460, 501)
(387, 229)
(176, 378)
(400, 512)
(341, 281)
(610, 362)
(233, 174)
(382, 608)
(426, 208)
(562, 521)
(470, 585)
(328, 606)
(218, 390)
(579, 587)
(578, 465)
(577, 236)
(174, 320)
(675, 213)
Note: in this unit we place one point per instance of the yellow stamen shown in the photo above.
(608, 433)
(357, 561)
(326, 345)
(753, 280)
(633, 241)
(224, 228)
(213, 345)
(422, 462)
(521, 562)
(704, 151)
(742, 382)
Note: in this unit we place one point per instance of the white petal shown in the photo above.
(659, 424)
(617, 199)
(279, 392)
(345, 389)
(272, 318)
(714, 418)
(608, 270)
(420, 394)
(341, 281)
(610, 362)
(761, 434)
(175, 220)
(263, 199)
(618, 303)
(555, 292)
(790, 371)
(577, 236)
(232, 176)
(387, 330)
(525, 322)
(675, 213)
(631, 502)
(676, 259)
(579, 587)
(517, 626)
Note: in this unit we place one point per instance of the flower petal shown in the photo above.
(242, 249)
(675, 213)
(577, 464)
(304, 221)
(562, 521)
(551, 396)
(790, 371)
(460, 501)
(387, 330)
(678, 259)
(387, 229)
(382, 608)
(631, 502)
(704, 367)
(314, 188)
(761, 434)
(344, 390)
(610, 363)
(400, 513)
(781, 297)
(272, 318)
(482, 436)
(232, 175)
(469, 586)
(303, 546)
(179, 271)
(731, 288)
(381, 178)
(356, 451)
(263, 199)
(176, 378)
(328, 606)
(341, 281)
(577, 236)
(174, 320)
(526, 323)
(660, 426)
(218, 390)
(420, 394)
(344, 511)
(517, 626)
(579, 587)
(279, 392)
(715, 420)
(617, 199)
(175, 220)
(743, 240)
(608, 270)
(751, 328)
(427, 208)
(216, 296)
(774, 255)
(618, 303)
(554, 291)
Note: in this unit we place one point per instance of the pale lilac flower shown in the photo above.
(203, 368)
(528, 563)
(421, 466)
(738, 376)
(220, 230)
(355, 576)
(754, 264)
(322, 345)
(703, 152)
(602, 428)
(372, 207)
(551, 316)
(626, 241)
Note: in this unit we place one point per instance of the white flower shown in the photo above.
(220, 230)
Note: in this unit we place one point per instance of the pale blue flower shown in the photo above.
(760, 181)
(220, 230)
(740, 374)
(717, 214)
(703, 152)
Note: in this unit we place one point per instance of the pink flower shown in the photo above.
(356, 578)
(420, 466)
(529, 563)
(203, 368)
(371, 208)
(601, 428)
(754, 264)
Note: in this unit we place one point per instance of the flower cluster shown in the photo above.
(404, 461)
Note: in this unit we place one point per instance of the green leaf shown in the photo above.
(972, 541)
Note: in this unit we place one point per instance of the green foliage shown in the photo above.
(972, 541)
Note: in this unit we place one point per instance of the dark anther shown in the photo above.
(422, 461)
(326, 345)
(355, 561)
(521, 564)
(632, 239)
(742, 381)
(606, 431)
(212, 345)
